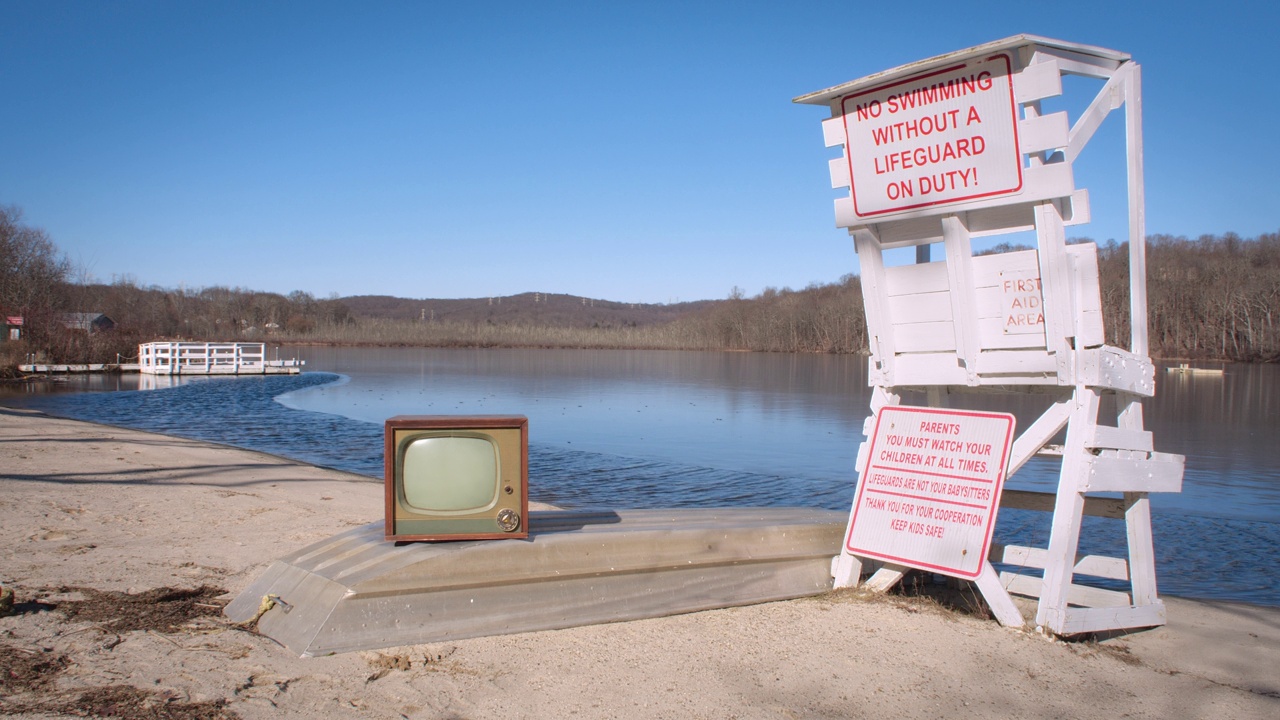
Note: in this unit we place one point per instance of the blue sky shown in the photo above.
(642, 152)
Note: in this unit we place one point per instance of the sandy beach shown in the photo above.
(89, 511)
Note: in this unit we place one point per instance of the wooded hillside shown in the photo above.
(1212, 297)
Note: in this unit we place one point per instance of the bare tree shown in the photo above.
(31, 271)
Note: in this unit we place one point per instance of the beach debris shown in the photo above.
(6, 600)
(163, 609)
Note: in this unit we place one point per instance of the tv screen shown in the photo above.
(452, 477)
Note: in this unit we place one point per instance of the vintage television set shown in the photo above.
(451, 477)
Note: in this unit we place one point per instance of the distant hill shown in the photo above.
(543, 309)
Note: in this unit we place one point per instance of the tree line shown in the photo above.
(1214, 297)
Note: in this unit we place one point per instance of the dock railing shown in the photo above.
(196, 358)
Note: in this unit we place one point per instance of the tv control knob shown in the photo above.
(509, 520)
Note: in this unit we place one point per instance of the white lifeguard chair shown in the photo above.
(956, 147)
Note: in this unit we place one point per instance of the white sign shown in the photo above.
(1021, 302)
(934, 140)
(931, 488)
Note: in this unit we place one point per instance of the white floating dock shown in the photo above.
(194, 358)
(356, 591)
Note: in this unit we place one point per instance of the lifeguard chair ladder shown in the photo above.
(941, 327)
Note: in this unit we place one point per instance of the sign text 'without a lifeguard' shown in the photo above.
(938, 139)
(931, 487)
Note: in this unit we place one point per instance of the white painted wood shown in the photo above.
(1115, 369)
(1064, 535)
(920, 307)
(929, 369)
(1104, 436)
(1002, 606)
(1048, 182)
(916, 278)
(1087, 620)
(1161, 473)
(1037, 82)
(886, 577)
(1113, 508)
(1039, 432)
(1073, 63)
(924, 337)
(1075, 209)
(1086, 595)
(846, 217)
(1086, 296)
(984, 221)
(1017, 363)
(861, 462)
(1041, 49)
(1046, 132)
(1095, 565)
(839, 170)
(846, 570)
(1055, 285)
(1137, 213)
(833, 131)
(879, 327)
(1141, 548)
(203, 358)
(1110, 98)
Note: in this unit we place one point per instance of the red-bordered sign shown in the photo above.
(929, 493)
(934, 140)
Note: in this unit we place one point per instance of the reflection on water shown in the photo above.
(669, 429)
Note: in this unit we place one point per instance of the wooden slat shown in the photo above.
(1115, 369)
(920, 307)
(1048, 181)
(924, 337)
(1030, 440)
(1031, 500)
(960, 280)
(1095, 565)
(1080, 64)
(1045, 132)
(910, 232)
(1037, 82)
(1021, 362)
(990, 301)
(1119, 439)
(928, 369)
(1090, 597)
(879, 329)
(1161, 473)
(839, 171)
(845, 215)
(833, 131)
(987, 268)
(1087, 294)
(1098, 619)
(998, 600)
(917, 278)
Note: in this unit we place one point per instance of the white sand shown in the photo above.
(93, 506)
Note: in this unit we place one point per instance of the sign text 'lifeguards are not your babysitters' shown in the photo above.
(930, 489)
(944, 137)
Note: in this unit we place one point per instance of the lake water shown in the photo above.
(683, 429)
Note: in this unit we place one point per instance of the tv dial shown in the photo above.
(509, 520)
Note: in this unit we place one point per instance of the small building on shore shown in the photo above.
(10, 327)
(90, 322)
